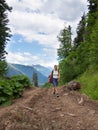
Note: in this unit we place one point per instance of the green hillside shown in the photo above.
(78, 58)
(89, 81)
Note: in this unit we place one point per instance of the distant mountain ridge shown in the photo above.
(17, 69)
(44, 70)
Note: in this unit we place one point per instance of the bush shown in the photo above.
(16, 87)
(6, 92)
(13, 88)
(18, 84)
(22, 79)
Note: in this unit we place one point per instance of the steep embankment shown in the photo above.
(39, 109)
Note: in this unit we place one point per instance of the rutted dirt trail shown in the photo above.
(39, 109)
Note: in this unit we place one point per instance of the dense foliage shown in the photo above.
(75, 58)
(3, 68)
(12, 88)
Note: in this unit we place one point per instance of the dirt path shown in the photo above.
(39, 109)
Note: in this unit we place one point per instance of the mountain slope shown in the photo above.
(44, 70)
(16, 69)
(12, 70)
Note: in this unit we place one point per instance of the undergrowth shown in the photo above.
(89, 81)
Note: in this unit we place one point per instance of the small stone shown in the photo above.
(62, 115)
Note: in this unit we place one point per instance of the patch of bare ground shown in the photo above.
(39, 109)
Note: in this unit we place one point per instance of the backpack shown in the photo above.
(50, 78)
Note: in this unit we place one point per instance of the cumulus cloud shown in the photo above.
(33, 25)
(65, 9)
(41, 21)
(29, 59)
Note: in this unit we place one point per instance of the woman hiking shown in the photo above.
(56, 79)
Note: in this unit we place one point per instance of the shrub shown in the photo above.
(12, 88)
(6, 92)
(22, 79)
(16, 87)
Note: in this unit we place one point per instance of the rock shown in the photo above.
(73, 85)
(62, 115)
(81, 101)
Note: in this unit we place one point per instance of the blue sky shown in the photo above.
(35, 25)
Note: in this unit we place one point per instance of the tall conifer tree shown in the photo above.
(81, 30)
(35, 79)
(4, 34)
(65, 43)
(92, 31)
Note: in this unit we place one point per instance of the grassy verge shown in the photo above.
(89, 82)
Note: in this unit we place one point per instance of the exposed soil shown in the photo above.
(39, 109)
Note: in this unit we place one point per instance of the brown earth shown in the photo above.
(39, 109)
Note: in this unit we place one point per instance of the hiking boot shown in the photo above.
(57, 95)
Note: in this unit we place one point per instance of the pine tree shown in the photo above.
(91, 28)
(93, 5)
(65, 43)
(4, 34)
(81, 30)
(92, 16)
(35, 79)
(92, 31)
(84, 55)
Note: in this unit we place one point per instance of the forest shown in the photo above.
(78, 58)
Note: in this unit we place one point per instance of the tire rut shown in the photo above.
(39, 109)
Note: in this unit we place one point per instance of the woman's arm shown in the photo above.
(58, 75)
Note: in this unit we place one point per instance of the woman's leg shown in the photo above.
(55, 83)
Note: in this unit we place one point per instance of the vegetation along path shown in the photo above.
(39, 109)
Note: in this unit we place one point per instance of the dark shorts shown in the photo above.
(55, 82)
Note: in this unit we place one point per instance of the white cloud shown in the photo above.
(32, 25)
(28, 59)
(22, 5)
(67, 10)
(22, 58)
(42, 20)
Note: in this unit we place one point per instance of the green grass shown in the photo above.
(47, 85)
(89, 81)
